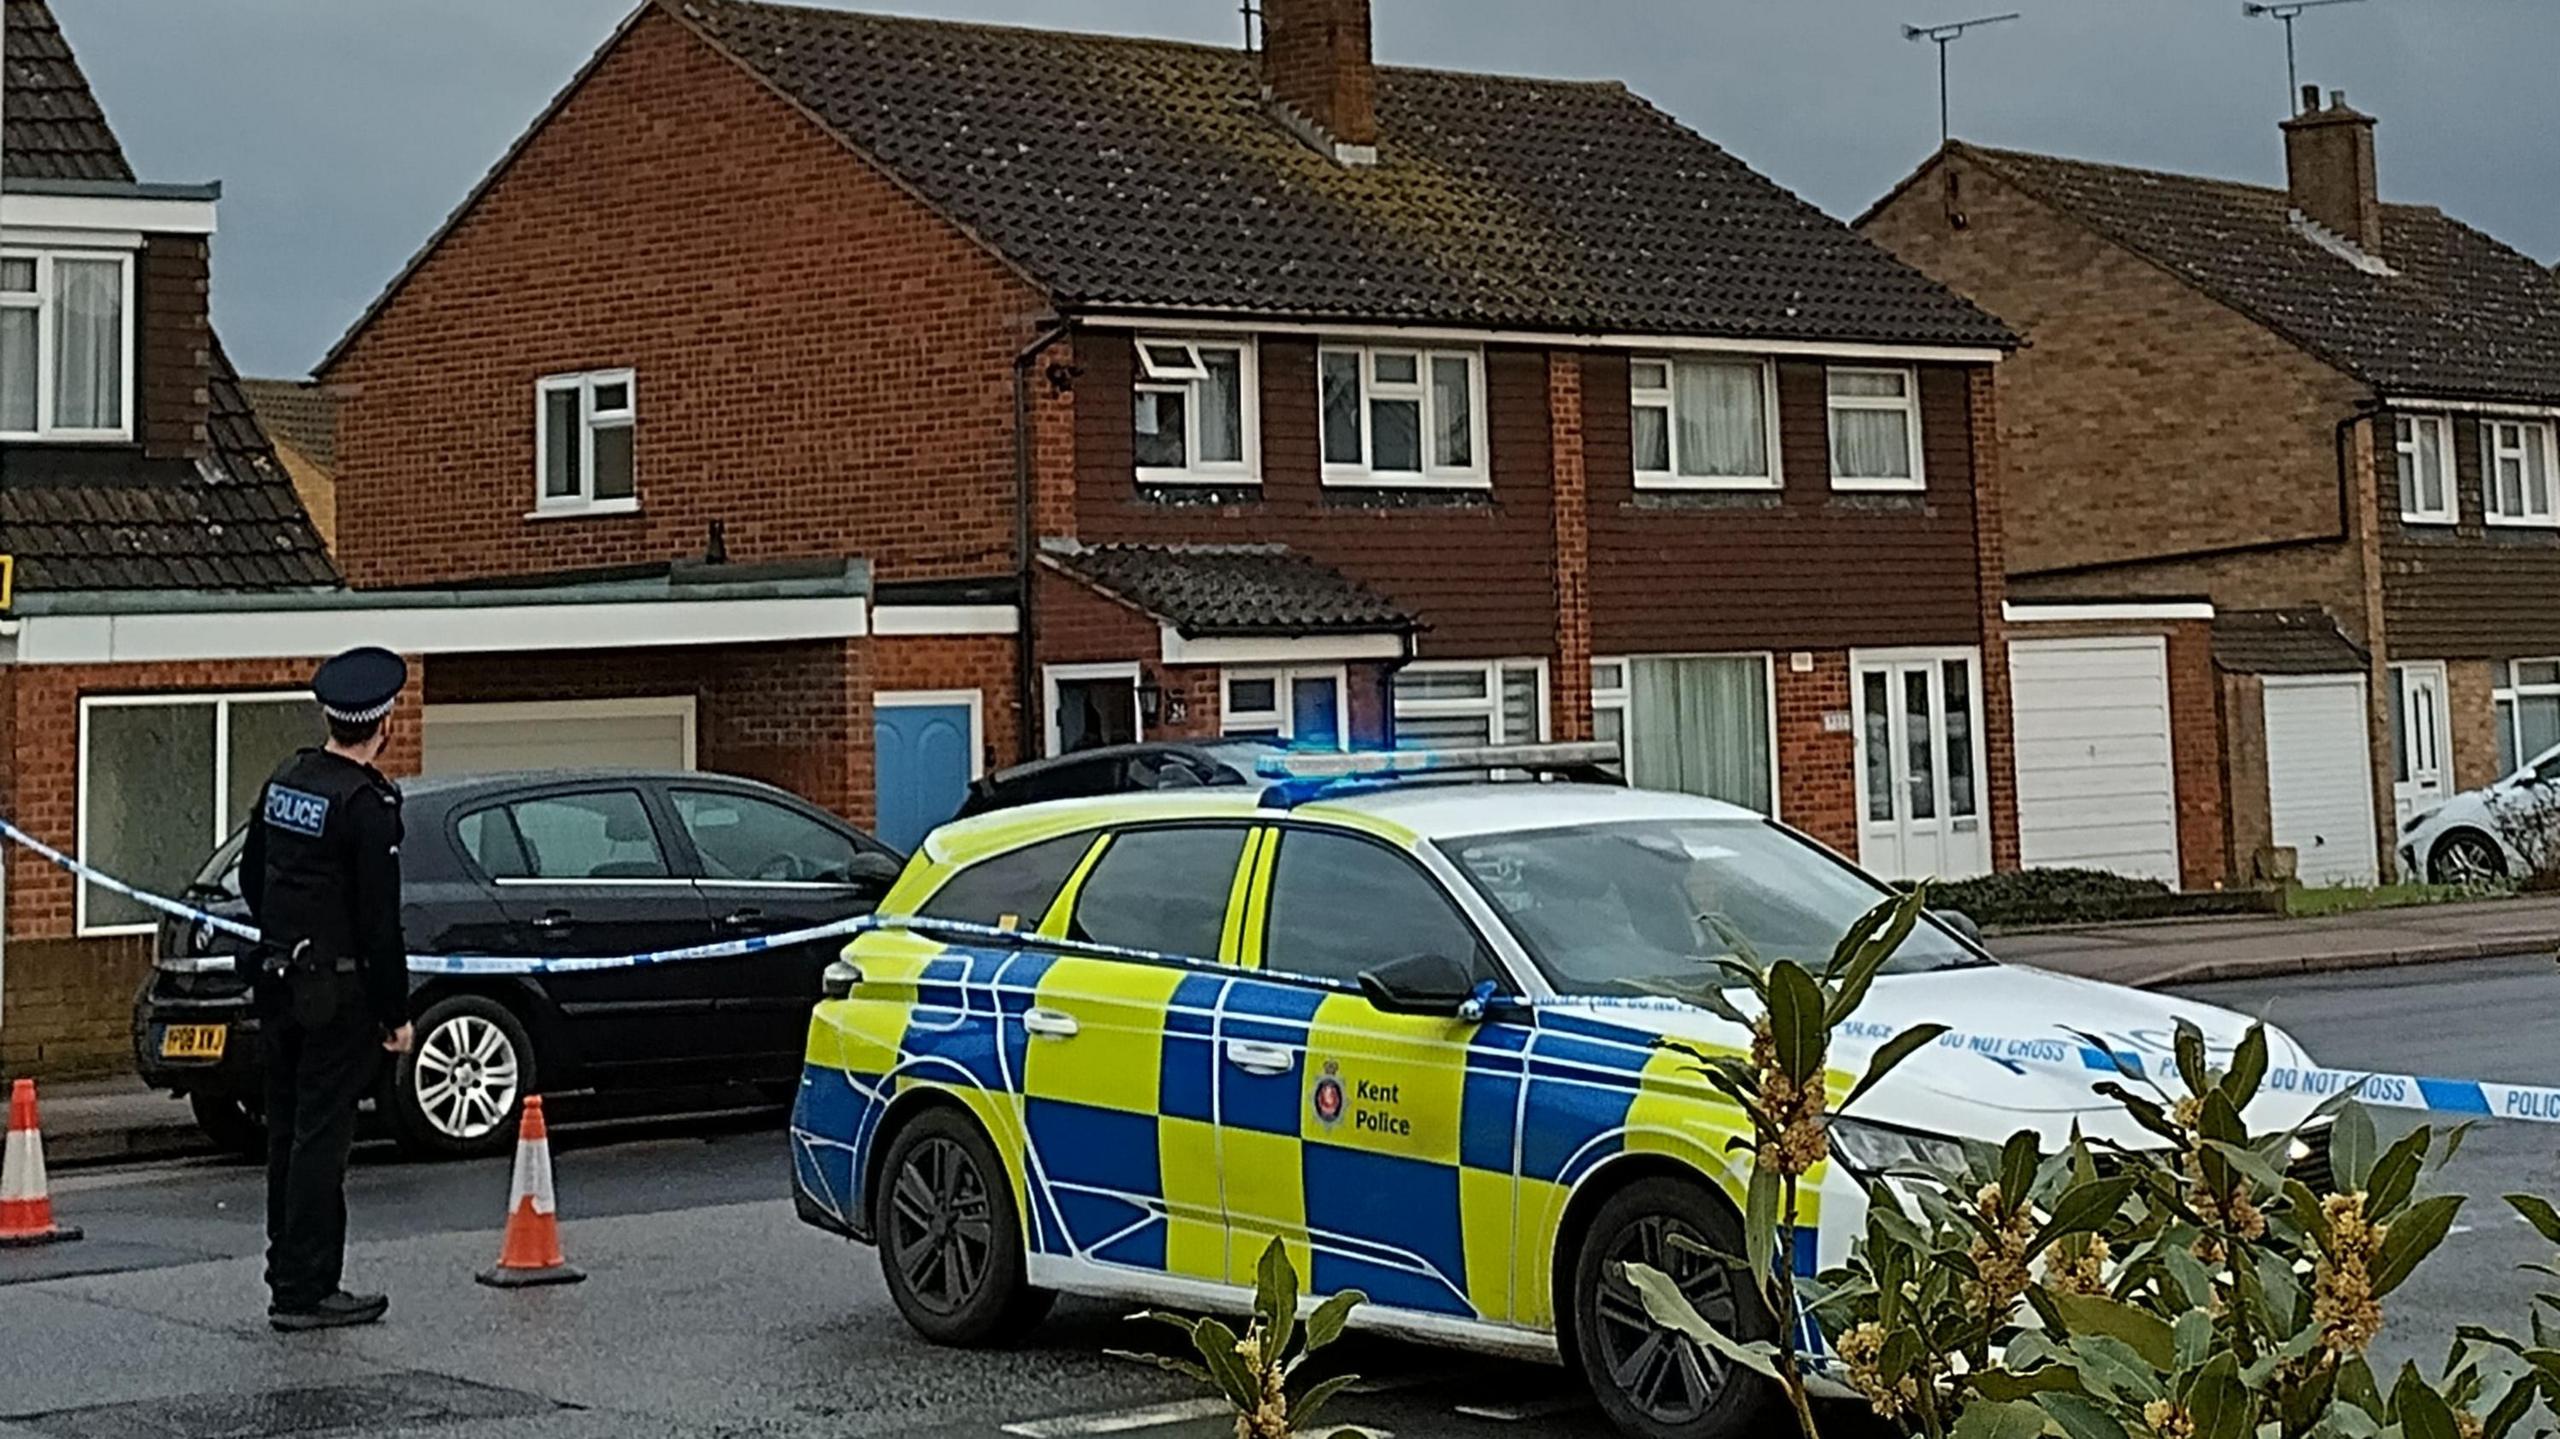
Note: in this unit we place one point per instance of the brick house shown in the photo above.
(2328, 417)
(1171, 389)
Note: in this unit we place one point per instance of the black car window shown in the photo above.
(742, 837)
(1341, 905)
(600, 834)
(1013, 890)
(489, 837)
(1162, 889)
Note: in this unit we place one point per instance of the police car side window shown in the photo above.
(1014, 889)
(1341, 905)
(1162, 889)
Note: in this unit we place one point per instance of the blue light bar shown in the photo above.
(1392, 764)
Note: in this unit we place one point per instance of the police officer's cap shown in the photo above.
(360, 685)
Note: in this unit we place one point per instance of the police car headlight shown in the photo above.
(1873, 1149)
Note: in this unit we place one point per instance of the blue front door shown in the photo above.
(926, 756)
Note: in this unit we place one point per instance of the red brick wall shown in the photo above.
(2196, 750)
(821, 362)
(173, 358)
(1817, 766)
(1569, 678)
(957, 662)
(1990, 548)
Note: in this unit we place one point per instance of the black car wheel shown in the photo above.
(1650, 1381)
(461, 1086)
(950, 1240)
(234, 1127)
(2467, 857)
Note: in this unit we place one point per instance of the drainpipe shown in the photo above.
(1026, 670)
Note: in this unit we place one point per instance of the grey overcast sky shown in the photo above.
(345, 130)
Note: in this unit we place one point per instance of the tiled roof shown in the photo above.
(1147, 174)
(2460, 314)
(54, 129)
(298, 413)
(1212, 590)
(2284, 642)
(89, 518)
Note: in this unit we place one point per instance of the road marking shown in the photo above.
(1518, 1410)
(1119, 1421)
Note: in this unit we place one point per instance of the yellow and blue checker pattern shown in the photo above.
(1198, 1110)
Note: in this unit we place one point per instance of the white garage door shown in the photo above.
(2096, 788)
(2320, 776)
(560, 734)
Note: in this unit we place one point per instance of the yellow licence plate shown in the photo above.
(194, 1041)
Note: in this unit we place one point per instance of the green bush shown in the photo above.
(2080, 896)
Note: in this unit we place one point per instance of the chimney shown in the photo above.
(1317, 68)
(2329, 168)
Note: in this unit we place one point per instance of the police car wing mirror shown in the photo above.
(1432, 984)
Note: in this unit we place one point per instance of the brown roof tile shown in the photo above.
(54, 128)
(298, 413)
(2284, 642)
(1214, 590)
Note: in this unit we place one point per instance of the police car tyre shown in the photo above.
(234, 1127)
(1652, 1383)
(950, 1237)
(460, 1089)
(2466, 856)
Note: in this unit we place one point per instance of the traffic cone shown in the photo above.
(26, 1210)
(531, 1254)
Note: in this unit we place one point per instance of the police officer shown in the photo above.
(321, 873)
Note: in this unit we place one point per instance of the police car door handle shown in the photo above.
(1050, 1022)
(1260, 1058)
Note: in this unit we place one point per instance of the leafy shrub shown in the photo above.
(2530, 817)
(1252, 1372)
(2080, 896)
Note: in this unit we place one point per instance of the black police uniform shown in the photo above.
(321, 874)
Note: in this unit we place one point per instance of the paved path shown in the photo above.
(2195, 951)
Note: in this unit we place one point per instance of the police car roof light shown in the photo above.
(1306, 775)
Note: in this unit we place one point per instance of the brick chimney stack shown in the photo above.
(1317, 66)
(2329, 167)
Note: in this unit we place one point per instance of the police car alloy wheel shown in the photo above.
(463, 1083)
(950, 1237)
(1648, 1380)
(2465, 857)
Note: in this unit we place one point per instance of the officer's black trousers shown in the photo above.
(315, 1076)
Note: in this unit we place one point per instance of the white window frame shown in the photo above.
(1050, 675)
(1908, 405)
(1477, 476)
(1666, 399)
(1620, 700)
(2509, 695)
(221, 701)
(1152, 375)
(590, 419)
(2405, 444)
(44, 303)
(1488, 708)
(1282, 720)
(2530, 435)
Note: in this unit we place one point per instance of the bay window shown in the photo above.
(1195, 409)
(1302, 706)
(1393, 416)
(1703, 424)
(1875, 429)
(2427, 491)
(66, 354)
(1445, 704)
(2516, 472)
(2528, 699)
(164, 779)
(582, 443)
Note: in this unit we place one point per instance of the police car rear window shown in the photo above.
(1014, 889)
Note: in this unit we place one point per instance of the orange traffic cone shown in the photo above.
(26, 1210)
(531, 1254)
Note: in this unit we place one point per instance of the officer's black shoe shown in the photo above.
(338, 1311)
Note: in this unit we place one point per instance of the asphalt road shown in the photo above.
(711, 1312)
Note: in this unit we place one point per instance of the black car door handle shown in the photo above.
(747, 918)
(554, 921)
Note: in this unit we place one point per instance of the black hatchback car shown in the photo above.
(549, 865)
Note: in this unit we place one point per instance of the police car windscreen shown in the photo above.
(1647, 907)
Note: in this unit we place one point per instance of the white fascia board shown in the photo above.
(1651, 344)
(289, 634)
(111, 213)
(15, 235)
(1279, 650)
(892, 620)
(2472, 407)
(2051, 614)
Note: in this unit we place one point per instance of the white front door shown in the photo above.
(2418, 723)
(1920, 763)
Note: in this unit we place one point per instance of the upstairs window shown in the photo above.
(1704, 424)
(2516, 471)
(1875, 429)
(66, 357)
(1196, 420)
(1401, 416)
(582, 443)
(2427, 493)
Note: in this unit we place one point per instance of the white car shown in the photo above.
(2468, 839)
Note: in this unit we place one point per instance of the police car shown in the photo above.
(1113, 1046)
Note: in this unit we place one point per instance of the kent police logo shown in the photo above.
(291, 809)
(1328, 1095)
